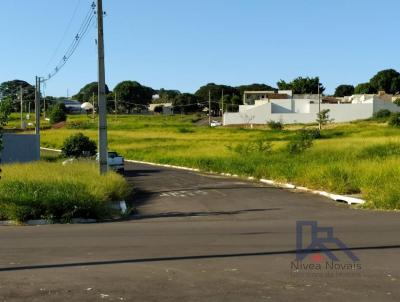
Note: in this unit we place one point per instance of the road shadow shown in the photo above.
(140, 172)
(194, 214)
(183, 258)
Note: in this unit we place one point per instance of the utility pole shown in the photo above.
(209, 107)
(319, 109)
(44, 102)
(115, 105)
(37, 106)
(103, 154)
(22, 109)
(44, 107)
(93, 116)
(222, 110)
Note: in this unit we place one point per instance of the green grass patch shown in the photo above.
(350, 158)
(49, 190)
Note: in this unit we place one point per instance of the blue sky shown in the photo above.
(183, 44)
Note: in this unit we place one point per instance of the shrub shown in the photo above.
(78, 145)
(397, 101)
(58, 113)
(302, 141)
(382, 114)
(394, 120)
(323, 117)
(257, 146)
(275, 125)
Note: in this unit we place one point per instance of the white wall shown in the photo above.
(379, 105)
(282, 106)
(301, 106)
(301, 111)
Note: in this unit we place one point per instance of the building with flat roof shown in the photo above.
(260, 107)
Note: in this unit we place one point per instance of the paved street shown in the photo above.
(202, 238)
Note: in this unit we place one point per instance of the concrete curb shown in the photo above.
(162, 165)
(336, 197)
(50, 149)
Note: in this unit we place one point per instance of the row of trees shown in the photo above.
(131, 96)
(387, 80)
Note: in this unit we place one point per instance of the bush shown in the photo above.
(257, 146)
(275, 125)
(58, 113)
(78, 145)
(382, 114)
(397, 101)
(302, 141)
(394, 120)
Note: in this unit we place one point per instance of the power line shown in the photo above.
(86, 24)
(63, 36)
(204, 103)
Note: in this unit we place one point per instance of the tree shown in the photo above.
(11, 90)
(364, 88)
(323, 118)
(166, 96)
(216, 94)
(132, 95)
(58, 113)
(86, 93)
(395, 88)
(234, 103)
(254, 87)
(382, 81)
(78, 145)
(302, 85)
(344, 90)
(186, 103)
(5, 112)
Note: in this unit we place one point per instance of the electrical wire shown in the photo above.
(86, 24)
(63, 36)
(204, 103)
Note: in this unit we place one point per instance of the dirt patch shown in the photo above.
(59, 125)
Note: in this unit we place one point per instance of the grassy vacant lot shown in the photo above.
(55, 192)
(354, 158)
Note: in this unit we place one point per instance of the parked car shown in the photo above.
(215, 124)
(114, 161)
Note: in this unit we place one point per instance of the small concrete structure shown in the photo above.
(20, 148)
(167, 108)
(263, 106)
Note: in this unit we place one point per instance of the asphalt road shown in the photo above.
(203, 238)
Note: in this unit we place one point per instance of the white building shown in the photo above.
(260, 107)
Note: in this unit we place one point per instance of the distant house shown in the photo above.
(166, 108)
(72, 106)
(260, 107)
